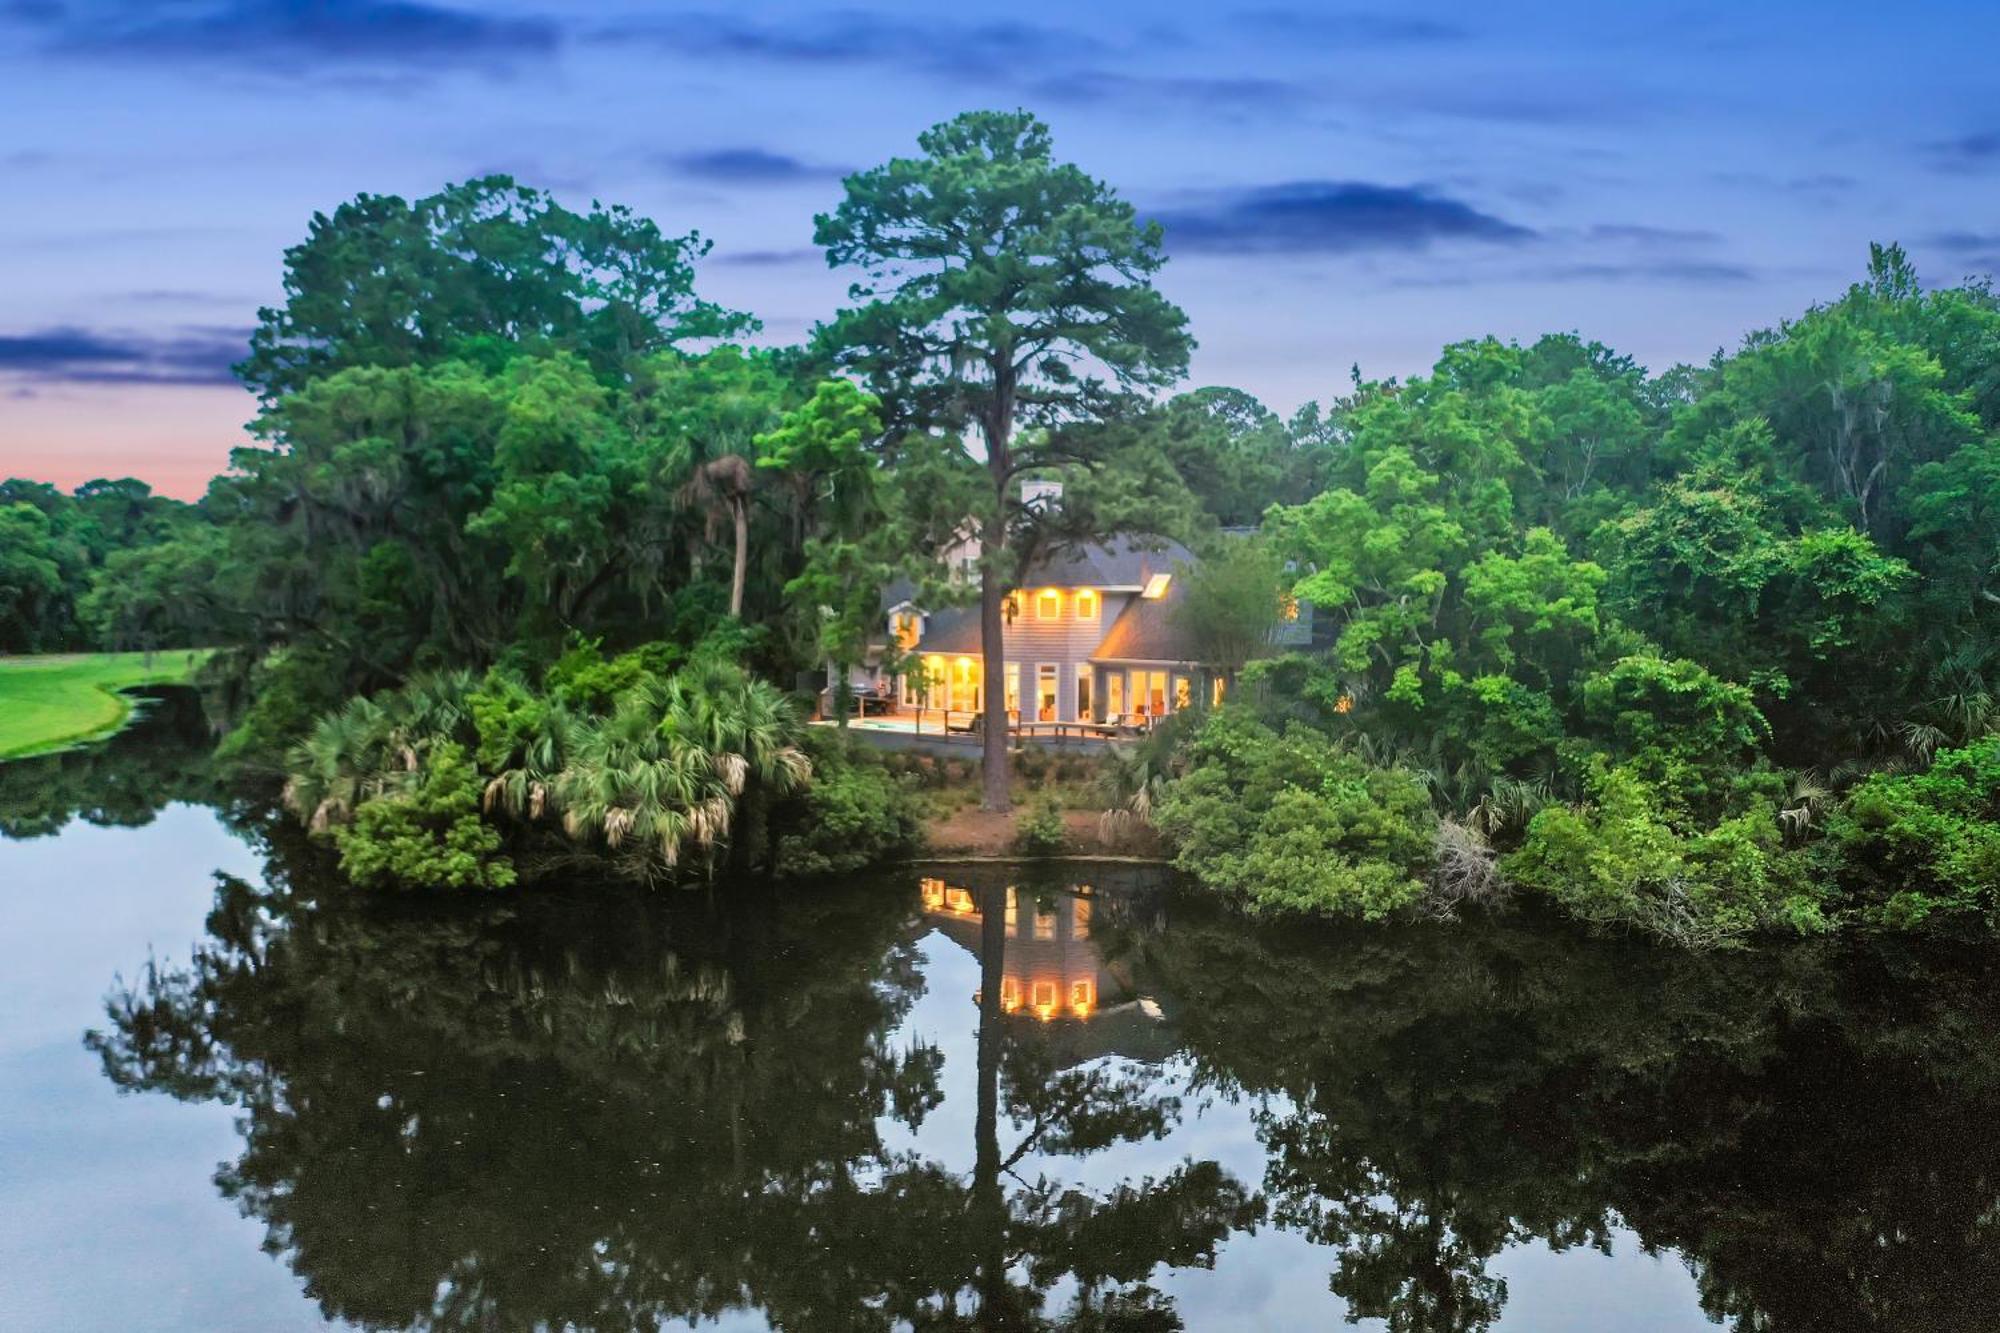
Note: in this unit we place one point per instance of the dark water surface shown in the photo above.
(234, 1096)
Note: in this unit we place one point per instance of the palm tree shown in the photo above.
(523, 788)
(627, 783)
(370, 745)
(720, 489)
(668, 771)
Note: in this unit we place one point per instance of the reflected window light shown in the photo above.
(1010, 994)
(1013, 910)
(958, 900)
(1042, 994)
(1079, 918)
(1045, 924)
(1082, 997)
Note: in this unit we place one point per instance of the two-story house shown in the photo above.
(1092, 635)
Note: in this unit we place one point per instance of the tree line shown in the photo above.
(1700, 650)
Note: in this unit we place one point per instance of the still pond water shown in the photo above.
(234, 1097)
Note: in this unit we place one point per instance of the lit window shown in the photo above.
(1048, 604)
(1156, 587)
(1217, 687)
(1086, 604)
(906, 629)
(1288, 607)
(1183, 692)
(1344, 704)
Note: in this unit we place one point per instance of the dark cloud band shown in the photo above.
(83, 356)
(1329, 217)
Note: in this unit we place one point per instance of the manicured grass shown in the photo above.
(48, 702)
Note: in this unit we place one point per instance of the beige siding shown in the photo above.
(1065, 641)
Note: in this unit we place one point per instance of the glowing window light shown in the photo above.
(1082, 997)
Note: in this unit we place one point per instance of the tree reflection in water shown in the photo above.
(1810, 1128)
(605, 1109)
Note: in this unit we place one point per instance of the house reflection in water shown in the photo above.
(1051, 969)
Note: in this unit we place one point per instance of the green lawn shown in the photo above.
(51, 701)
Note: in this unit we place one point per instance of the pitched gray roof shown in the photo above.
(952, 630)
(1147, 630)
(1121, 562)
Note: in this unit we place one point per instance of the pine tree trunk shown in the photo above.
(993, 653)
(998, 1307)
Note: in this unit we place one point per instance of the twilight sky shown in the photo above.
(1340, 185)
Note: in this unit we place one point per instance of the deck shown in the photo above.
(936, 729)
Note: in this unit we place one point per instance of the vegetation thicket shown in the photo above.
(534, 554)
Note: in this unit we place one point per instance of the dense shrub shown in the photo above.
(1927, 842)
(1042, 831)
(426, 832)
(855, 813)
(1626, 859)
(1287, 821)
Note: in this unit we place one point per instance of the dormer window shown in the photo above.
(1048, 604)
(1156, 587)
(1086, 603)
(907, 626)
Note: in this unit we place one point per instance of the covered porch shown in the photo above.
(947, 696)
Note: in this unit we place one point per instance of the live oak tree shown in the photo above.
(1009, 295)
(477, 271)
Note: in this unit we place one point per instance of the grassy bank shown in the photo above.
(48, 702)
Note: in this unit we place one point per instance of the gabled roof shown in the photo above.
(1121, 562)
(1147, 630)
(954, 630)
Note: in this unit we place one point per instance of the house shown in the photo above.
(1091, 636)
